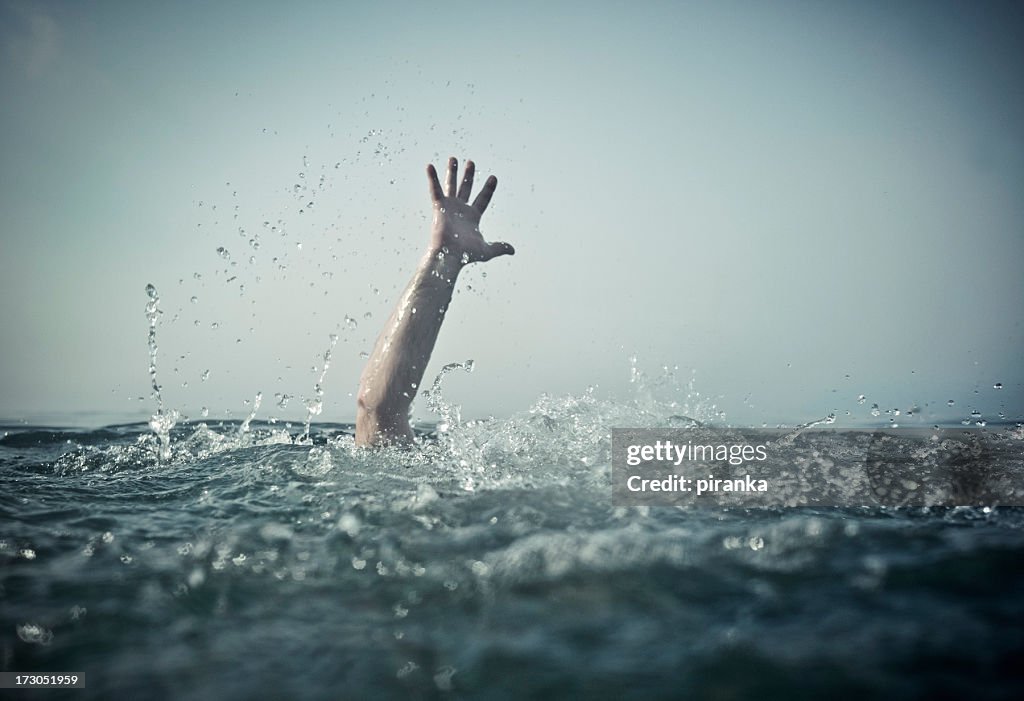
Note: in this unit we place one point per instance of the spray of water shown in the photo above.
(791, 436)
(244, 428)
(450, 413)
(315, 404)
(162, 421)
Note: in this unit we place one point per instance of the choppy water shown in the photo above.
(490, 563)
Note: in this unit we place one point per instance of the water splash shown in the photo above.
(315, 405)
(450, 414)
(162, 421)
(244, 428)
(791, 436)
(665, 392)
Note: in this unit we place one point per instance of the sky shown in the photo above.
(793, 203)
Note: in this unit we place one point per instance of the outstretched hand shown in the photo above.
(456, 227)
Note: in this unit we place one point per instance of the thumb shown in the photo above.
(499, 248)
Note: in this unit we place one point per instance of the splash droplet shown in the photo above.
(34, 634)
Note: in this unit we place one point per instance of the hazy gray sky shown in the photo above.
(801, 201)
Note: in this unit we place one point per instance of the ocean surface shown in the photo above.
(247, 560)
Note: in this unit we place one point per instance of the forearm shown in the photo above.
(394, 371)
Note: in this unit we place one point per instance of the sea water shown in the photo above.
(244, 560)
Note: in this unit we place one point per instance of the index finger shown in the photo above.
(436, 194)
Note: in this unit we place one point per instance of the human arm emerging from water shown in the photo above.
(395, 369)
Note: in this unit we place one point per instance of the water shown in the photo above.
(245, 562)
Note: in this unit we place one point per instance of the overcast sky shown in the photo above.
(801, 202)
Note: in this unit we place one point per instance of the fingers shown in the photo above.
(484, 198)
(453, 173)
(435, 185)
(467, 181)
(499, 248)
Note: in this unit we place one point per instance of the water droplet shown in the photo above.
(875, 411)
(223, 252)
(205, 375)
(950, 403)
(364, 355)
(193, 299)
(350, 524)
(861, 399)
(151, 291)
(34, 634)
(998, 385)
(352, 323)
(205, 411)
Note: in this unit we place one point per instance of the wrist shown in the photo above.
(443, 264)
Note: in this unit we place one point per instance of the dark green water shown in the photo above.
(490, 565)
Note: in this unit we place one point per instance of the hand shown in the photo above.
(456, 227)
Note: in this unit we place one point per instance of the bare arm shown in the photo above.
(395, 369)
